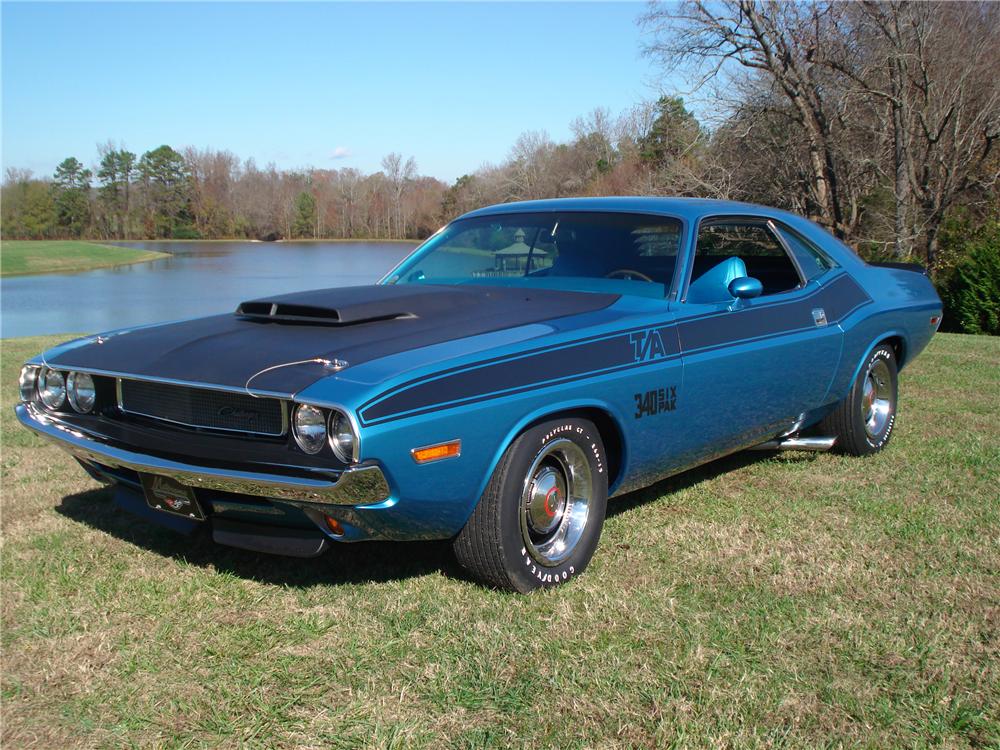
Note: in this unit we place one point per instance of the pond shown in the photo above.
(199, 278)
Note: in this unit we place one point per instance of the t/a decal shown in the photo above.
(655, 402)
(647, 345)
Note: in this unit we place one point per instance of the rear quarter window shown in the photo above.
(813, 261)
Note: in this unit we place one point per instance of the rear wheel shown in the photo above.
(540, 517)
(863, 422)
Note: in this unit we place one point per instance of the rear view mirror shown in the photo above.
(745, 287)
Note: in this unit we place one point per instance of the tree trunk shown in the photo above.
(901, 188)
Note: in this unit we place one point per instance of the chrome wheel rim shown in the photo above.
(876, 399)
(555, 502)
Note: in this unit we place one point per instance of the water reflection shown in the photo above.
(199, 278)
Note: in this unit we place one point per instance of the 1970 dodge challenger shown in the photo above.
(523, 364)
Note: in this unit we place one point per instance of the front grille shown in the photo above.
(202, 407)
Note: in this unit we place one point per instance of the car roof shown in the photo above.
(688, 210)
(685, 208)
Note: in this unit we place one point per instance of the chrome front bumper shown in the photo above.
(360, 485)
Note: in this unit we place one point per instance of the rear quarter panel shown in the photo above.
(903, 304)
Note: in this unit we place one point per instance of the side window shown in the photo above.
(812, 261)
(727, 250)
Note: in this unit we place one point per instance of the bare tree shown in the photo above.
(944, 98)
(769, 39)
(897, 90)
(399, 174)
(524, 175)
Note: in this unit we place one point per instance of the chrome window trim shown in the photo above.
(783, 243)
(768, 223)
(781, 230)
(284, 402)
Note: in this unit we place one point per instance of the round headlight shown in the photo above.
(27, 382)
(309, 428)
(52, 388)
(343, 438)
(80, 387)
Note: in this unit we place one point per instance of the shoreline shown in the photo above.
(27, 252)
(153, 255)
(89, 258)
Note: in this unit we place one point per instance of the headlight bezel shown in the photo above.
(72, 392)
(320, 440)
(42, 387)
(347, 456)
(27, 383)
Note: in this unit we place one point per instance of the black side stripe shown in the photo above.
(838, 299)
(549, 366)
(610, 353)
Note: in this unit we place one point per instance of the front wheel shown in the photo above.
(863, 422)
(540, 517)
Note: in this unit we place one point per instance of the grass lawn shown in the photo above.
(19, 257)
(764, 600)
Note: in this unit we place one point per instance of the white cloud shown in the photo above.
(341, 152)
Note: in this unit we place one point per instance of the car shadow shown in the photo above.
(692, 477)
(360, 562)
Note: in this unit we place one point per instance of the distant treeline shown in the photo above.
(880, 121)
(204, 194)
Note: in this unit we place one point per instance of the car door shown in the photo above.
(752, 366)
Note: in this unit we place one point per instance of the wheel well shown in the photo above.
(898, 347)
(607, 426)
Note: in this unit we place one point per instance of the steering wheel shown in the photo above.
(629, 275)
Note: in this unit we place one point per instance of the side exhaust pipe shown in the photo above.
(815, 444)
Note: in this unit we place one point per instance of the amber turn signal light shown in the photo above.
(334, 525)
(451, 449)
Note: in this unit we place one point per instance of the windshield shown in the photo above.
(601, 252)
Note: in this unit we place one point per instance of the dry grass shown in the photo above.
(787, 600)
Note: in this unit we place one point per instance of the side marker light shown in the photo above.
(451, 449)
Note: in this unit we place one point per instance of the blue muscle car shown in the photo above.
(522, 365)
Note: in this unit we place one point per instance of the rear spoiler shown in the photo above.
(915, 267)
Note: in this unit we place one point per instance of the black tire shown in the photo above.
(862, 423)
(506, 542)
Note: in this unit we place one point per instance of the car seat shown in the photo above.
(713, 285)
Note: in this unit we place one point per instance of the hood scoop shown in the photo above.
(284, 312)
(342, 307)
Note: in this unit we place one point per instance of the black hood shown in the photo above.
(355, 324)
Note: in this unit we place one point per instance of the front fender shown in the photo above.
(435, 500)
(553, 411)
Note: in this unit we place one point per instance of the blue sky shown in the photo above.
(299, 84)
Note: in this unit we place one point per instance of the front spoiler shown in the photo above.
(360, 485)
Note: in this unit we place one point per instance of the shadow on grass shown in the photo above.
(361, 562)
(693, 477)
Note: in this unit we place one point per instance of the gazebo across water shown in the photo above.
(514, 258)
